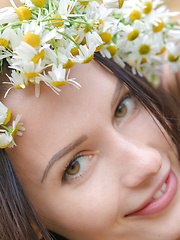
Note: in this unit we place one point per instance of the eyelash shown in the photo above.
(129, 102)
(67, 177)
(72, 177)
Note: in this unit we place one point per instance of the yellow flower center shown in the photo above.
(159, 27)
(76, 38)
(75, 51)
(23, 13)
(87, 28)
(99, 48)
(19, 87)
(120, 2)
(133, 35)
(135, 15)
(172, 58)
(84, 3)
(38, 56)
(57, 22)
(162, 51)
(72, 10)
(144, 60)
(101, 22)
(31, 75)
(14, 132)
(59, 84)
(83, 41)
(8, 117)
(112, 50)
(32, 39)
(3, 42)
(69, 64)
(148, 8)
(97, 23)
(106, 37)
(39, 3)
(144, 49)
(87, 60)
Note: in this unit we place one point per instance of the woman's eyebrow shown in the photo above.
(57, 156)
(116, 93)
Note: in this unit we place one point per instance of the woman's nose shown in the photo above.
(142, 163)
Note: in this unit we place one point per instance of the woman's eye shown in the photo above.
(125, 107)
(77, 167)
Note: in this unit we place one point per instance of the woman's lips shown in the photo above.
(159, 204)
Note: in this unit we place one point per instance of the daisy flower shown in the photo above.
(86, 54)
(36, 35)
(143, 50)
(5, 114)
(17, 127)
(8, 15)
(5, 139)
(18, 80)
(173, 56)
(128, 34)
(57, 77)
(155, 14)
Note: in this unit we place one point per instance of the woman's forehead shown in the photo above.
(96, 83)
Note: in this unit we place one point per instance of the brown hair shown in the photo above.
(17, 214)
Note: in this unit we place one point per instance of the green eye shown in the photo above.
(125, 107)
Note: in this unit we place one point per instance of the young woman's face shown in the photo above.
(92, 159)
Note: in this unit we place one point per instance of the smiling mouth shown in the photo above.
(160, 200)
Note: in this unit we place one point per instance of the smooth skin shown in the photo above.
(121, 153)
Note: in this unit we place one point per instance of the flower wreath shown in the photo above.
(43, 39)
